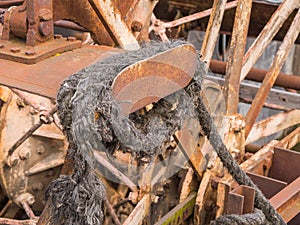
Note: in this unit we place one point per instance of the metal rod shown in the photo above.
(235, 56)
(29, 133)
(69, 25)
(218, 4)
(267, 35)
(112, 212)
(272, 74)
(213, 29)
(10, 3)
(283, 80)
(115, 172)
(27, 209)
(6, 221)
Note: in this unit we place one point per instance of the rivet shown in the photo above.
(30, 52)
(58, 36)
(15, 50)
(41, 149)
(24, 153)
(71, 39)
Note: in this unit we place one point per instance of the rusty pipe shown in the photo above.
(69, 25)
(283, 80)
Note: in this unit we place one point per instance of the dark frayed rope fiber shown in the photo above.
(78, 199)
(229, 162)
(255, 218)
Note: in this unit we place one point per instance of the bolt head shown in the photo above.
(45, 28)
(24, 153)
(41, 149)
(58, 36)
(136, 26)
(15, 50)
(30, 52)
(71, 39)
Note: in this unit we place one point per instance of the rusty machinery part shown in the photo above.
(107, 131)
(32, 147)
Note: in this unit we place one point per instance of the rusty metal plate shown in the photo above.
(287, 201)
(16, 50)
(267, 185)
(154, 78)
(285, 165)
(46, 77)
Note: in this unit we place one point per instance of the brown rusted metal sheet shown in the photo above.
(143, 76)
(240, 200)
(46, 77)
(287, 201)
(16, 50)
(267, 185)
(285, 166)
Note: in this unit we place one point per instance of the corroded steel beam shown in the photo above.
(236, 52)
(272, 75)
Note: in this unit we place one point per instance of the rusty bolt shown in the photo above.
(58, 36)
(12, 160)
(15, 50)
(30, 52)
(45, 28)
(24, 153)
(71, 39)
(136, 26)
(1, 45)
(41, 149)
(37, 186)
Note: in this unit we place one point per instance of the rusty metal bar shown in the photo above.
(115, 172)
(272, 74)
(69, 25)
(267, 34)
(112, 212)
(290, 140)
(218, 4)
(10, 3)
(273, 124)
(236, 52)
(287, 201)
(6, 221)
(114, 24)
(240, 200)
(159, 27)
(27, 209)
(213, 29)
(283, 80)
(138, 214)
